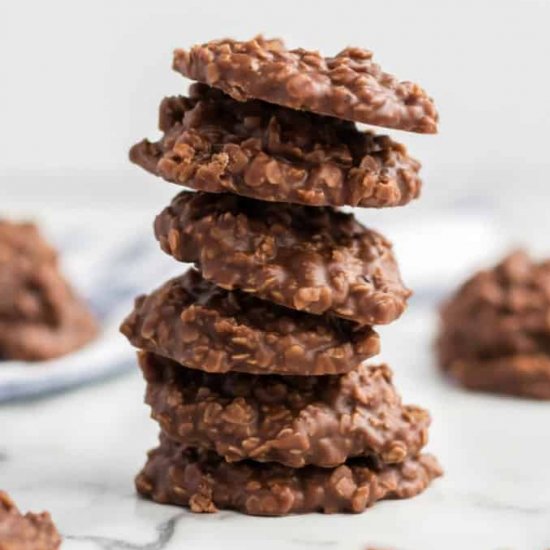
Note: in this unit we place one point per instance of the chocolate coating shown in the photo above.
(205, 327)
(292, 420)
(216, 144)
(348, 86)
(40, 315)
(495, 330)
(25, 532)
(204, 482)
(317, 260)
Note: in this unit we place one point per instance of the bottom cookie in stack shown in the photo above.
(205, 482)
(274, 445)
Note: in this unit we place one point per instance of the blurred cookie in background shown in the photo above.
(25, 532)
(41, 317)
(495, 330)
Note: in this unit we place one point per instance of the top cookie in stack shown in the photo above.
(349, 86)
(286, 287)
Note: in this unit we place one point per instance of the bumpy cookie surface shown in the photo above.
(216, 144)
(312, 259)
(202, 326)
(495, 330)
(205, 482)
(292, 420)
(25, 532)
(349, 86)
(40, 315)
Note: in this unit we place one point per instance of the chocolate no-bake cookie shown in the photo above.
(292, 420)
(205, 482)
(25, 532)
(348, 86)
(40, 315)
(495, 330)
(216, 144)
(312, 259)
(202, 326)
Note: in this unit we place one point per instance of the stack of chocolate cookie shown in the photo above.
(254, 357)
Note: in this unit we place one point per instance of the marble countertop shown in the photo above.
(76, 454)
